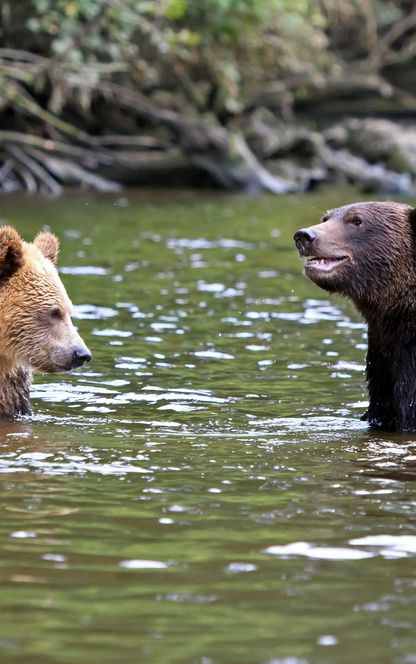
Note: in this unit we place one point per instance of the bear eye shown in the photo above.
(56, 313)
(356, 221)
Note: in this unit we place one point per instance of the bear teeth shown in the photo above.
(321, 261)
(313, 259)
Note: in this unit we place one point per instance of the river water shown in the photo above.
(204, 491)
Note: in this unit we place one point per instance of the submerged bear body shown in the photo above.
(367, 252)
(36, 331)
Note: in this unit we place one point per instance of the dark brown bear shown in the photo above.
(367, 251)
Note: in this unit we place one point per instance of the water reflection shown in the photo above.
(393, 458)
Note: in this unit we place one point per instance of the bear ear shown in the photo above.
(11, 252)
(48, 244)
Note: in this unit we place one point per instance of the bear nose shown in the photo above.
(303, 239)
(80, 356)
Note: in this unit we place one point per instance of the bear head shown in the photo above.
(36, 329)
(365, 251)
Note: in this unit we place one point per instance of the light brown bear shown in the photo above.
(36, 331)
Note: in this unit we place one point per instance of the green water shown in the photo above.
(204, 491)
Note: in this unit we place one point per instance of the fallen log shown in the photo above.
(371, 177)
(377, 140)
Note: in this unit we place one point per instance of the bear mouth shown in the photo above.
(324, 263)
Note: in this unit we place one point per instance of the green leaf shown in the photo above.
(175, 9)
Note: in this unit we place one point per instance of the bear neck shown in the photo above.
(15, 392)
(388, 302)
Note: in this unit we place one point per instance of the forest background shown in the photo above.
(251, 95)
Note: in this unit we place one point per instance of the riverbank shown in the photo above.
(261, 154)
(234, 94)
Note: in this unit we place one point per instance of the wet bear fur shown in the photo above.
(36, 331)
(372, 247)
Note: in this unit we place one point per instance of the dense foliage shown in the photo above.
(233, 46)
(78, 69)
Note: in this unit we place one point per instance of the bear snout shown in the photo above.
(304, 238)
(80, 356)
